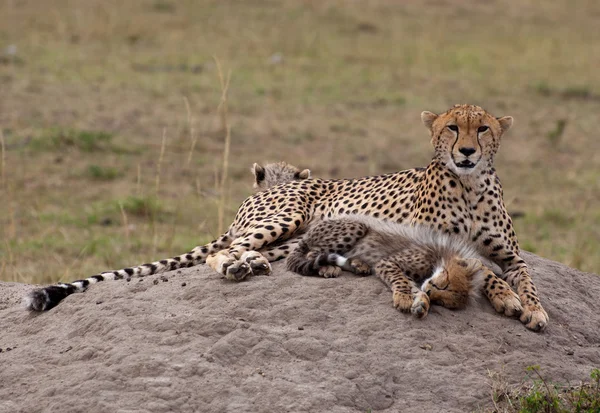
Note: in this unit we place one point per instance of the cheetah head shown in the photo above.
(453, 283)
(276, 173)
(465, 137)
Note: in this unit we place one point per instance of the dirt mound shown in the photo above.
(190, 341)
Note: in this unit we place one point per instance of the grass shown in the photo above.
(101, 173)
(82, 140)
(115, 135)
(539, 395)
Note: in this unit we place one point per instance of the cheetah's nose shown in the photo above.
(467, 151)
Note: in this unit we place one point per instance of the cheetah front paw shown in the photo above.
(507, 302)
(228, 266)
(259, 265)
(534, 317)
(329, 271)
(237, 271)
(420, 305)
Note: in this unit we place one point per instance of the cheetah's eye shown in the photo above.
(438, 288)
(453, 128)
(482, 129)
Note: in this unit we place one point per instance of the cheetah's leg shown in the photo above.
(407, 296)
(501, 296)
(516, 274)
(232, 262)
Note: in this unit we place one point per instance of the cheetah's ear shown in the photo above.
(505, 123)
(428, 118)
(305, 174)
(258, 172)
(473, 266)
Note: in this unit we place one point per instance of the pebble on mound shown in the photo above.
(190, 341)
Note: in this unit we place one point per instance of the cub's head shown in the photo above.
(451, 284)
(465, 137)
(276, 173)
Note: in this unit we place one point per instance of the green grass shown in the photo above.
(64, 139)
(102, 173)
(539, 395)
(145, 207)
(336, 87)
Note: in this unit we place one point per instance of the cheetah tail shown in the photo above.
(43, 299)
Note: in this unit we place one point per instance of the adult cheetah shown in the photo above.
(420, 264)
(458, 192)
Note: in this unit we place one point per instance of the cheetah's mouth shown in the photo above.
(467, 164)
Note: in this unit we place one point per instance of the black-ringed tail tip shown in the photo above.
(43, 299)
(46, 298)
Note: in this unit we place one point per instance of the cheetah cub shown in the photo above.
(421, 265)
(273, 174)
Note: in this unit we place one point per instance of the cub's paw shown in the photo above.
(330, 271)
(359, 267)
(534, 317)
(259, 265)
(402, 301)
(507, 302)
(420, 305)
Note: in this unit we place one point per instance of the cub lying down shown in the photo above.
(419, 264)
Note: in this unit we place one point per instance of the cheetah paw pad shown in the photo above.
(534, 317)
(330, 271)
(507, 303)
(259, 265)
(420, 305)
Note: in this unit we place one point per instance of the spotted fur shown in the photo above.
(458, 192)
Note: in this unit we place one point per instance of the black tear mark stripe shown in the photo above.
(455, 141)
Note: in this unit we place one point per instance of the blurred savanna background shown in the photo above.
(128, 127)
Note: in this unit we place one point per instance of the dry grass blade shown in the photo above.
(223, 111)
(125, 222)
(193, 137)
(2, 159)
(160, 160)
(138, 182)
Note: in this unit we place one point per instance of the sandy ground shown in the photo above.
(192, 342)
